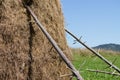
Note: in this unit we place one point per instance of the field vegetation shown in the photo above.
(84, 59)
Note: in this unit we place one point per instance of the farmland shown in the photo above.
(83, 60)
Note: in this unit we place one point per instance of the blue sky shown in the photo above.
(98, 21)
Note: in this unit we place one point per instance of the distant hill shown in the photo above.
(113, 47)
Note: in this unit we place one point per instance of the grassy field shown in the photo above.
(83, 60)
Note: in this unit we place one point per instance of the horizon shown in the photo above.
(97, 21)
(82, 47)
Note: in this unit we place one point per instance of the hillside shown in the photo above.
(113, 47)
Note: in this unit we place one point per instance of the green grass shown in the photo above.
(92, 62)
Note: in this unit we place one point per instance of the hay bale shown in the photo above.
(25, 53)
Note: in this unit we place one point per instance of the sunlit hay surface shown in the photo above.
(19, 38)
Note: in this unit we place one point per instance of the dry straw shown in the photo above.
(25, 53)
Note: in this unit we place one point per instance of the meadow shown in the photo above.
(83, 60)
